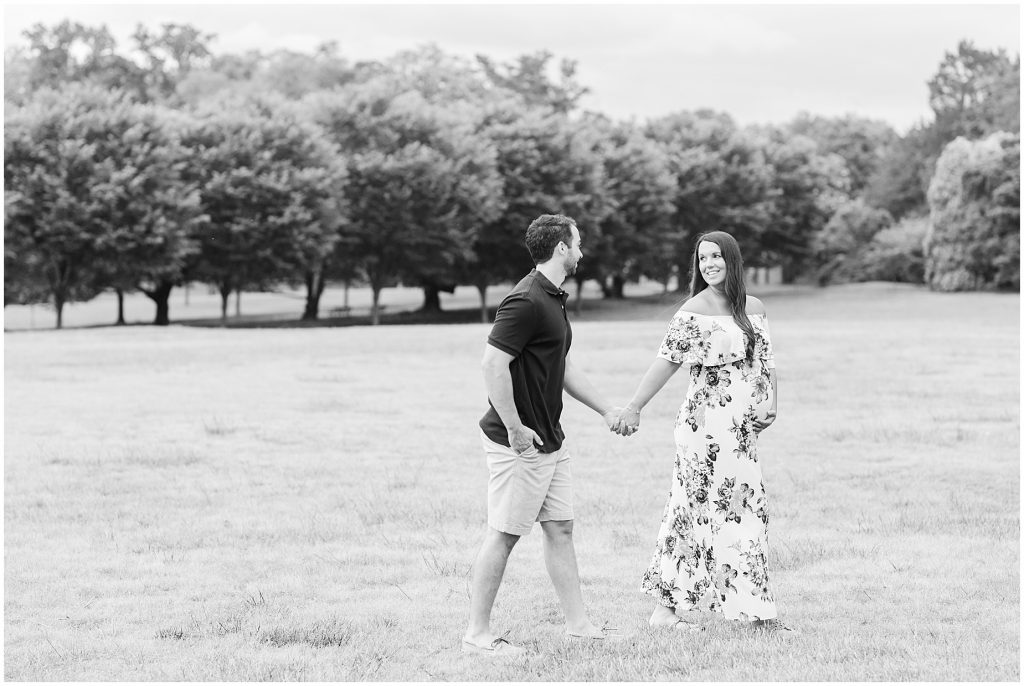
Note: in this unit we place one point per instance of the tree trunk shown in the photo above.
(188, 287)
(58, 304)
(683, 286)
(314, 289)
(348, 284)
(120, 307)
(161, 295)
(374, 309)
(579, 296)
(431, 298)
(225, 293)
(618, 286)
(789, 271)
(238, 302)
(482, 287)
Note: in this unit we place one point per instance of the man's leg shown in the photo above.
(560, 558)
(488, 571)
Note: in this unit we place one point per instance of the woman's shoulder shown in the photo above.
(697, 305)
(702, 306)
(755, 306)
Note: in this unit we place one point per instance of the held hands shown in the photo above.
(625, 421)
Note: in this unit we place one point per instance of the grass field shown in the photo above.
(304, 504)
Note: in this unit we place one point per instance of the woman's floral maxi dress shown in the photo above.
(710, 553)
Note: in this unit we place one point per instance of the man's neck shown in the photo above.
(555, 273)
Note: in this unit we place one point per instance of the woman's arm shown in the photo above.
(762, 424)
(657, 375)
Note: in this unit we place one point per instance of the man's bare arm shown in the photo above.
(579, 387)
(498, 382)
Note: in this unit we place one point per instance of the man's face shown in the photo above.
(574, 254)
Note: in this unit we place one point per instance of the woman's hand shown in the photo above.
(762, 424)
(628, 421)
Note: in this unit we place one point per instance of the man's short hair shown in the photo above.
(545, 233)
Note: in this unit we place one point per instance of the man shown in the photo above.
(526, 366)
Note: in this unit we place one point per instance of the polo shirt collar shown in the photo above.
(545, 282)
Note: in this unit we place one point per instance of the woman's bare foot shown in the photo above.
(667, 618)
(663, 616)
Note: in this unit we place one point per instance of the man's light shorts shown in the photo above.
(527, 488)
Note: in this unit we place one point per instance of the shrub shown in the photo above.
(973, 241)
(896, 253)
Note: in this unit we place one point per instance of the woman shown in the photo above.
(710, 553)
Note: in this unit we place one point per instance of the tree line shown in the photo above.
(167, 165)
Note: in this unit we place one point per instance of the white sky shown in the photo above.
(760, 63)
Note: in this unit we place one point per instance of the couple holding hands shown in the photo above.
(710, 553)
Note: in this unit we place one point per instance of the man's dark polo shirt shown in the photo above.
(531, 325)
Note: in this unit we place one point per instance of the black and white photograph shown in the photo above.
(521, 342)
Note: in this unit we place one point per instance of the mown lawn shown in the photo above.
(305, 504)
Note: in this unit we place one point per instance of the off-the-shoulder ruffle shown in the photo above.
(714, 340)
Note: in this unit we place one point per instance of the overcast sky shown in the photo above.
(760, 63)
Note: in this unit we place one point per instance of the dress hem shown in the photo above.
(687, 610)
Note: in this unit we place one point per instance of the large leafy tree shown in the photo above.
(640, 189)
(859, 141)
(550, 165)
(289, 73)
(271, 185)
(72, 52)
(900, 182)
(447, 82)
(420, 180)
(724, 180)
(151, 212)
(88, 208)
(807, 188)
(168, 57)
(975, 93)
(528, 77)
(25, 280)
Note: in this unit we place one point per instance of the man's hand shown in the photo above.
(628, 421)
(611, 418)
(522, 438)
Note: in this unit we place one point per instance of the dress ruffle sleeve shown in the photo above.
(763, 348)
(694, 339)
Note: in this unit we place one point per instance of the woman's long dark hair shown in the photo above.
(735, 286)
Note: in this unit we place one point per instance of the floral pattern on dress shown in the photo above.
(743, 430)
(687, 340)
(710, 552)
(754, 565)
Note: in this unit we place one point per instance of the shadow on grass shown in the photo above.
(593, 309)
(644, 307)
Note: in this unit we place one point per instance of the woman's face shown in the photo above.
(711, 263)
